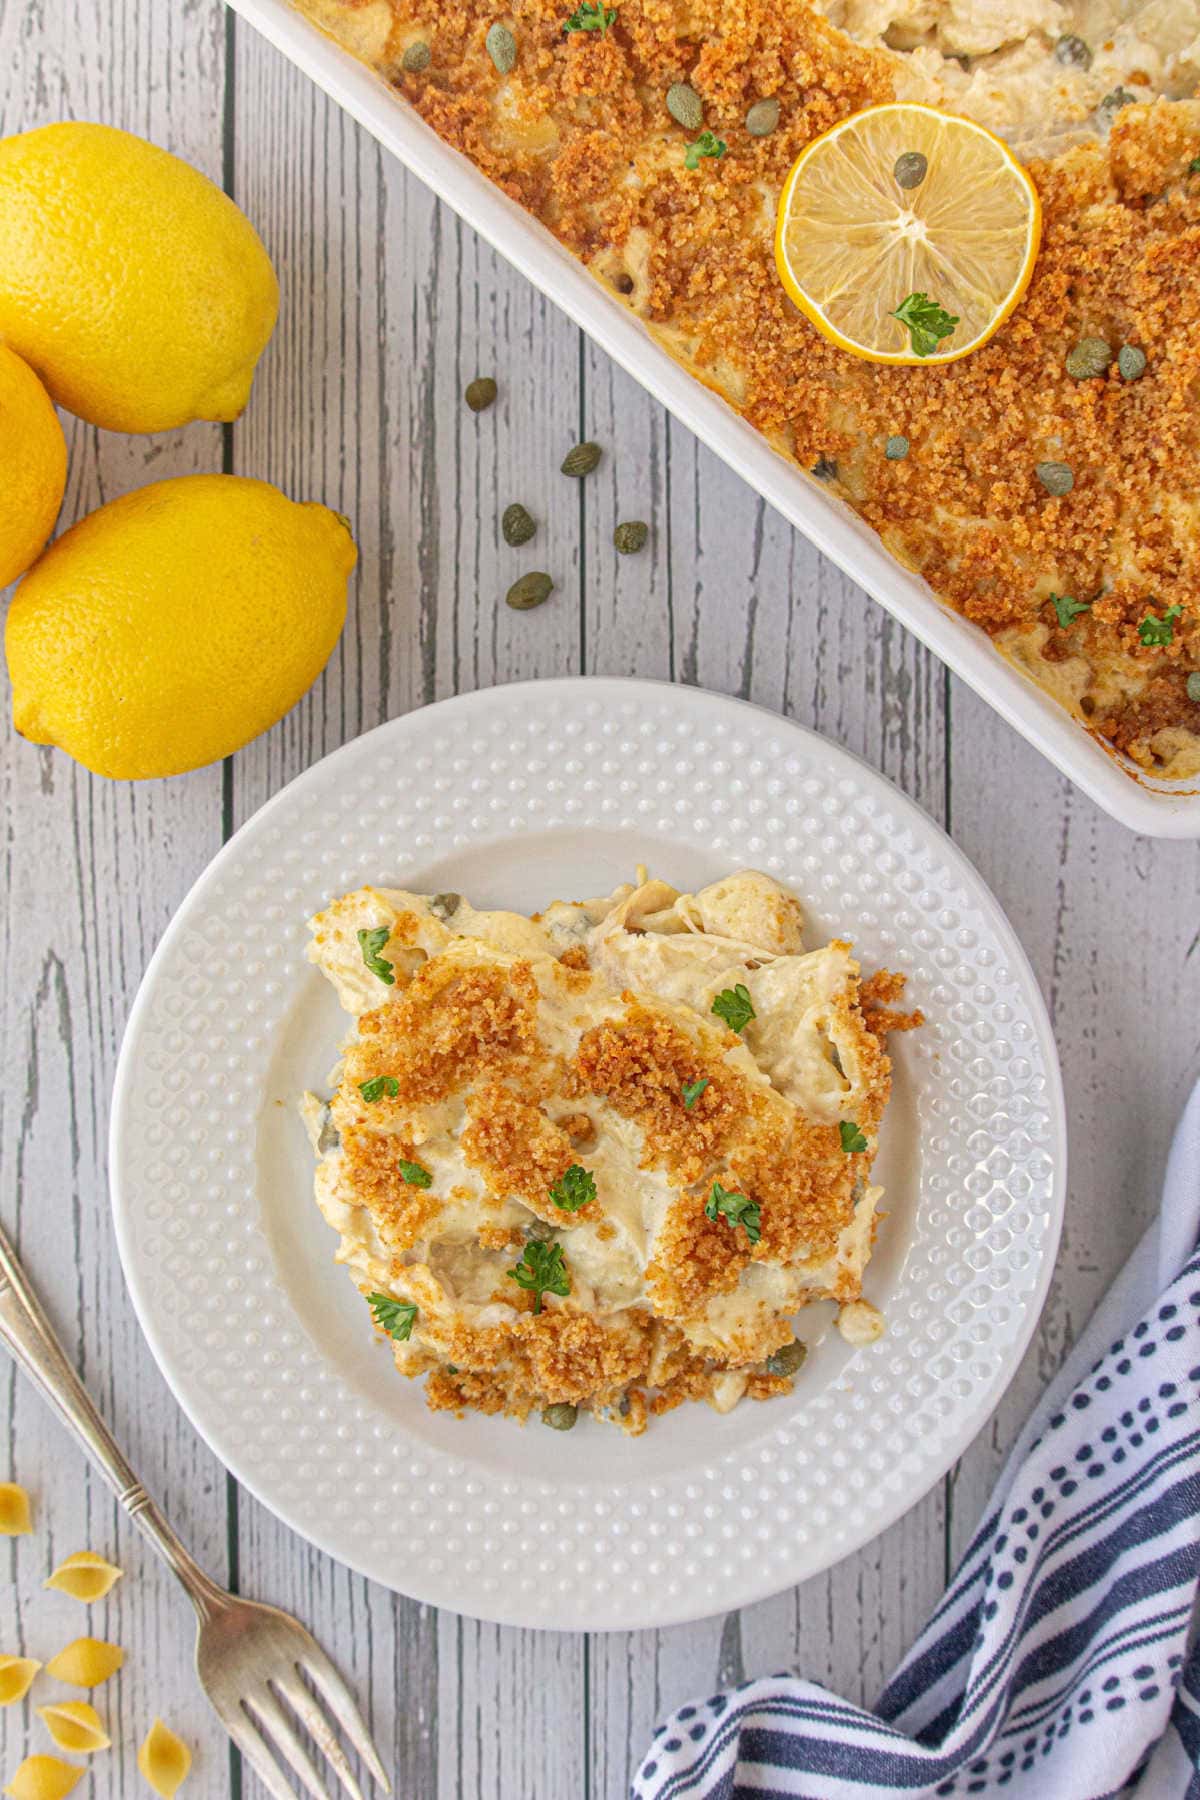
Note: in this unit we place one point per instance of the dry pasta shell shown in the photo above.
(85, 1662)
(75, 1726)
(43, 1778)
(15, 1520)
(85, 1575)
(164, 1759)
(16, 1677)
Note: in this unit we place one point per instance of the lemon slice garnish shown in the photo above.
(852, 245)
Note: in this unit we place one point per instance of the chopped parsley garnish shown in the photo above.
(541, 1271)
(852, 1138)
(573, 1189)
(377, 1087)
(1193, 167)
(737, 1209)
(927, 322)
(692, 1091)
(591, 16)
(371, 943)
(414, 1175)
(1068, 610)
(707, 144)
(1160, 631)
(396, 1317)
(735, 1007)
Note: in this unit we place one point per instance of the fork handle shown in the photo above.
(30, 1339)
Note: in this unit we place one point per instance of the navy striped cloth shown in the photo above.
(1058, 1666)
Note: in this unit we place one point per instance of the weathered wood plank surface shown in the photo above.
(390, 307)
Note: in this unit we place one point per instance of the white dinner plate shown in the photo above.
(517, 796)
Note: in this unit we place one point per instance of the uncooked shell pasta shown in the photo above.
(15, 1520)
(164, 1760)
(85, 1575)
(16, 1677)
(75, 1726)
(86, 1662)
(43, 1778)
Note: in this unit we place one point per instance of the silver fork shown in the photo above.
(249, 1657)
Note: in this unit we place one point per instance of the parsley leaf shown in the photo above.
(1193, 167)
(1160, 631)
(927, 322)
(735, 1007)
(541, 1271)
(396, 1317)
(1067, 609)
(736, 1209)
(692, 1091)
(378, 1086)
(591, 16)
(573, 1189)
(852, 1138)
(371, 943)
(414, 1175)
(707, 144)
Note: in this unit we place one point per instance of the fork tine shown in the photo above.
(344, 1707)
(274, 1725)
(256, 1753)
(293, 1690)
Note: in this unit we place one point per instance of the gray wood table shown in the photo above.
(390, 306)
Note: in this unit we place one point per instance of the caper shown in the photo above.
(1089, 357)
(896, 448)
(631, 536)
(444, 906)
(762, 118)
(1112, 103)
(416, 58)
(788, 1358)
(480, 393)
(516, 525)
(825, 469)
(581, 459)
(685, 106)
(529, 591)
(539, 1230)
(501, 46)
(1072, 52)
(910, 169)
(561, 1416)
(329, 1137)
(1193, 687)
(1055, 477)
(1131, 361)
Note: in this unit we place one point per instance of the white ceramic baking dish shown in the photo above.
(1157, 809)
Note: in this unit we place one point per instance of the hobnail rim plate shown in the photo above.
(517, 795)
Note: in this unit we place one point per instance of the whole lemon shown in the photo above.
(135, 288)
(169, 627)
(33, 466)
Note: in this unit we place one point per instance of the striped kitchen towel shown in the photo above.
(1058, 1665)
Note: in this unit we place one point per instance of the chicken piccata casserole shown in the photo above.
(1045, 485)
(599, 1158)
